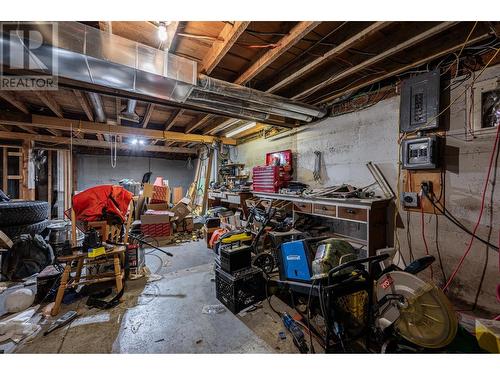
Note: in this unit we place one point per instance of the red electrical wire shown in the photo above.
(492, 157)
(422, 225)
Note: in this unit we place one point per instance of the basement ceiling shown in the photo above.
(315, 62)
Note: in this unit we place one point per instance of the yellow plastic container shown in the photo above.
(488, 335)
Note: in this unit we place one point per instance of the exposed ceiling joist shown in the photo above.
(221, 126)
(49, 102)
(93, 143)
(199, 123)
(381, 56)
(147, 116)
(88, 127)
(173, 118)
(403, 69)
(14, 101)
(373, 28)
(285, 43)
(82, 100)
(229, 34)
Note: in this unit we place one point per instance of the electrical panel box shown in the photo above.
(420, 153)
(419, 107)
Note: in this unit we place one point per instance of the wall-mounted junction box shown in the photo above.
(409, 199)
(420, 153)
(419, 107)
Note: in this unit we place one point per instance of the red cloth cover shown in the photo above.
(104, 202)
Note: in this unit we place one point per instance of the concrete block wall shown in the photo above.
(349, 141)
(96, 170)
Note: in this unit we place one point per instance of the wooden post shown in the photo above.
(49, 181)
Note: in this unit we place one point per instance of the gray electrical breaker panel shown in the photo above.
(420, 153)
(419, 107)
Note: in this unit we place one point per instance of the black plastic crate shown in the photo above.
(241, 290)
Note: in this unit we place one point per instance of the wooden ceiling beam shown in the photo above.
(14, 101)
(227, 37)
(173, 118)
(82, 100)
(49, 102)
(395, 72)
(295, 35)
(88, 127)
(199, 123)
(147, 116)
(342, 47)
(381, 56)
(93, 143)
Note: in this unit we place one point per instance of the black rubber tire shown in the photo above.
(16, 230)
(23, 212)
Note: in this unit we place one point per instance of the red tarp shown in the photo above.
(105, 202)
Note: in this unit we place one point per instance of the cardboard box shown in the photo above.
(186, 224)
(156, 217)
(156, 230)
(182, 209)
(158, 206)
(157, 194)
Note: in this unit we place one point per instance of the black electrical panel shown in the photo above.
(420, 153)
(419, 107)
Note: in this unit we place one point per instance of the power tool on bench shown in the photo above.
(297, 334)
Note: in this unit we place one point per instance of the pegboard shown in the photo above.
(412, 180)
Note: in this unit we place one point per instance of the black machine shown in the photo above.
(235, 259)
(240, 290)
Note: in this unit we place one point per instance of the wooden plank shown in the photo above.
(173, 118)
(373, 28)
(14, 101)
(381, 56)
(147, 116)
(221, 126)
(402, 70)
(127, 131)
(49, 181)
(177, 194)
(199, 123)
(5, 172)
(289, 40)
(94, 143)
(82, 100)
(228, 36)
(50, 102)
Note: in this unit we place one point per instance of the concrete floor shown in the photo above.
(165, 316)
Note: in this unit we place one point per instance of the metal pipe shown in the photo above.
(129, 113)
(217, 86)
(96, 101)
(217, 100)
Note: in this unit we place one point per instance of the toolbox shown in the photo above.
(241, 290)
(269, 178)
(235, 259)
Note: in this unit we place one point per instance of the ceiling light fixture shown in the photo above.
(162, 31)
(241, 130)
(134, 141)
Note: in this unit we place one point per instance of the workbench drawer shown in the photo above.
(303, 207)
(359, 214)
(325, 209)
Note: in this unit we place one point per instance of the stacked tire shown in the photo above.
(23, 217)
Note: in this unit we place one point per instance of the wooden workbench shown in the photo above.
(229, 199)
(362, 220)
